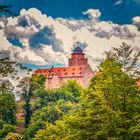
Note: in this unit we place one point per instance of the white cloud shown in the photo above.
(36, 14)
(136, 21)
(93, 14)
(48, 40)
(118, 2)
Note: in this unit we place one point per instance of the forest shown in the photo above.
(109, 109)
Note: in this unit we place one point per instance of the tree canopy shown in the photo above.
(109, 108)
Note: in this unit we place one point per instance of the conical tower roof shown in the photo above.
(77, 50)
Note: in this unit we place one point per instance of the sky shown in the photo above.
(44, 32)
(118, 11)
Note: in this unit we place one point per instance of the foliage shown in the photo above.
(9, 70)
(7, 128)
(69, 92)
(8, 108)
(27, 86)
(6, 66)
(26, 93)
(6, 86)
(13, 136)
(53, 104)
(126, 57)
(6, 9)
(48, 114)
(109, 109)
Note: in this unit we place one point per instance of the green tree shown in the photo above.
(109, 109)
(6, 129)
(13, 136)
(27, 87)
(128, 60)
(53, 104)
(6, 86)
(8, 108)
(69, 91)
(49, 114)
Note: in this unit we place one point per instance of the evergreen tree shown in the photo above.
(8, 108)
(125, 56)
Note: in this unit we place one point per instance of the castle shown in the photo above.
(78, 69)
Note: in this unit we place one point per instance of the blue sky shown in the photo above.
(40, 41)
(121, 13)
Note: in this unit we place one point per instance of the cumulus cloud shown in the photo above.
(48, 40)
(93, 14)
(136, 21)
(45, 36)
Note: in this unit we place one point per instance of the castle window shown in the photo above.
(73, 69)
(64, 69)
(73, 73)
(65, 73)
(80, 68)
(80, 72)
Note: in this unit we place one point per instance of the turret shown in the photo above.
(78, 58)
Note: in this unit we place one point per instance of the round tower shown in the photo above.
(78, 58)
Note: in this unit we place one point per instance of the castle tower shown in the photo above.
(77, 58)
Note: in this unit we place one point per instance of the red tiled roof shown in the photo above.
(63, 72)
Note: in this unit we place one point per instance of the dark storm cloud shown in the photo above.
(26, 21)
(46, 36)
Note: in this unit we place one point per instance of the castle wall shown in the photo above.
(89, 74)
(57, 82)
(53, 83)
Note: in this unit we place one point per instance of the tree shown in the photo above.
(6, 86)
(8, 108)
(109, 108)
(6, 129)
(53, 104)
(48, 114)
(69, 91)
(125, 56)
(6, 9)
(6, 67)
(13, 136)
(27, 86)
